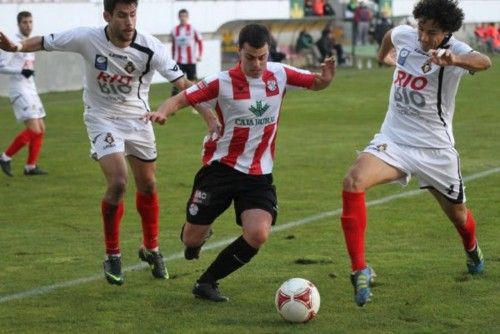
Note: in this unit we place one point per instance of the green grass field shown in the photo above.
(51, 247)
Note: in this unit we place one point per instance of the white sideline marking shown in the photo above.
(56, 286)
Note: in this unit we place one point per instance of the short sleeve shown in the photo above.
(73, 40)
(298, 78)
(164, 64)
(206, 90)
(460, 48)
(399, 33)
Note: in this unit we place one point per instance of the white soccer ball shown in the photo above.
(297, 300)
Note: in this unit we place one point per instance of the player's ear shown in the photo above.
(107, 16)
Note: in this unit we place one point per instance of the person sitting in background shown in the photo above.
(325, 44)
(306, 48)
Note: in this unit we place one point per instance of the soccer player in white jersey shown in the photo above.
(187, 46)
(120, 63)
(25, 102)
(416, 137)
(237, 165)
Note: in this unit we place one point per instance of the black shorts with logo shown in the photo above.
(217, 185)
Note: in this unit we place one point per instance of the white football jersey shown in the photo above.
(117, 79)
(248, 109)
(422, 97)
(13, 64)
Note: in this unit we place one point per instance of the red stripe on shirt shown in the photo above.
(299, 79)
(236, 146)
(189, 55)
(256, 167)
(199, 41)
(211, 145)
(241, 88)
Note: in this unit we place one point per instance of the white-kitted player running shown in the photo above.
(416, 137)
(120, 63)
(25, 102)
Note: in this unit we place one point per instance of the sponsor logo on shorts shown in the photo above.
(109, 140)
(193, 209)
(201, 197)
(101, 62)
(381, 147)
(450, 189)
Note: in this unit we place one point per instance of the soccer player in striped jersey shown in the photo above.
(25, 102)
(119, 65)
(187, 46)
(416, 137)
(238, 164)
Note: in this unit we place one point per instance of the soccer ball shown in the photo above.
(297, 300)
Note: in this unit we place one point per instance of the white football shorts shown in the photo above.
(434, 168)
(132, 137)
(27, 106)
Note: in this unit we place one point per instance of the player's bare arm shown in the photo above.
(386, 52)
(473, 61)
(31, 44)
(322, 80)
(167, 108)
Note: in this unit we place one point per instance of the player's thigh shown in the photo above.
(256, 192)
(439, 169)
(27, 106)
(114, 168)
(211, 195)
(139, 140)
(144, 174)
(105, 137)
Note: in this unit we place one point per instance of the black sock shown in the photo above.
(233, 257)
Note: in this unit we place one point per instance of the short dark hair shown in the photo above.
(110, 5)
(22, 15)
(183, 11)
(446, 13)
(256, 35)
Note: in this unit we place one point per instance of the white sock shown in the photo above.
(5, 157)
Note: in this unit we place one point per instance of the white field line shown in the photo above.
(175, 256)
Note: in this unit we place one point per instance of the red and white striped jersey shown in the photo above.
(248, 109)
(187, 44)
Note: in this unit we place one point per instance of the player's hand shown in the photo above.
(155, 117)
(6, 44)
(214, 128)
(27, 73)
(441, 57)
(328, 69)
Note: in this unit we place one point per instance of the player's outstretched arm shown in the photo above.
(167, 108)
(472, 61)
(326, 76)
(28, 45)
(386, 51)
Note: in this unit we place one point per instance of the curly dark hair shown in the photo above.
(446, 13)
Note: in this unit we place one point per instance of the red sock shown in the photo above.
(112, 216)
(468, 232)
(34, 148)
(149, 209)
(354, 224)
(23, 138)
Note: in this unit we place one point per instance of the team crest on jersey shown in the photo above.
(259, 108)
(403, 54)
(272, 85)
(426, 67)
(129, 67)
(101, 62)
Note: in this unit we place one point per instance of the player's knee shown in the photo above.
(257, 238)
(458, 217)
(353, 182)
(148, 187)
(192, 240)
(117, 187)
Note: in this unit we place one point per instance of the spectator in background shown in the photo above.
(306, 48)
(325, 44)
(362, 18)
(274, 54)
(187, 47)
(328, 9)
(318, 7)
(382, 25)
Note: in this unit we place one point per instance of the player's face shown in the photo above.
(26, 26)
(430, 34)
(254, 61)
(183, 18)
(121, 23)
